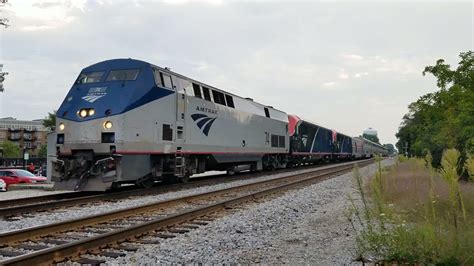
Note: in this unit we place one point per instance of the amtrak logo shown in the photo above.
(95, 94)
(204, 122)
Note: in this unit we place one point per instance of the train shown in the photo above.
(126, 121)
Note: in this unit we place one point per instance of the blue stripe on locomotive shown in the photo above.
(120, 96)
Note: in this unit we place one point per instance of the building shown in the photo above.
(24, 133)
(370, 131)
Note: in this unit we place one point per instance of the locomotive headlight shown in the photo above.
(83, 113)
(61, 126)
(91, 112)
(108, 125)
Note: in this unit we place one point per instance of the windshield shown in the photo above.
(24, 173)
(89, 77)
(129, 74)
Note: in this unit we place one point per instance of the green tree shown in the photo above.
(443, 119)
(390, 147)
(43, 151)
(10, 149)
(372, 138)
(49, 121)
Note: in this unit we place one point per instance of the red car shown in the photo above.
(18, 176)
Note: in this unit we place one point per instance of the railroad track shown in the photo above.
(11, 209)
(120, 230)
(30, 200)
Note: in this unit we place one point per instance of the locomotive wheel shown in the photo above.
(146, 182)
(183, 179)
(169, 179)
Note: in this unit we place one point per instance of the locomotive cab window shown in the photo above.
(123, 75)
(218, 97)
(197, 91)
(167, 81)
(89, 77)
(267, 113)
(229, 100)
(158, 79)
(207, 95)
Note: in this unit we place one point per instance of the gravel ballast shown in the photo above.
(41, 218)
(307, 226)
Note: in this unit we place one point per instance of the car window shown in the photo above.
(25, 173)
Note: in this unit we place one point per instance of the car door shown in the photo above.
(5, 176)
(2, 176)
(12, 178)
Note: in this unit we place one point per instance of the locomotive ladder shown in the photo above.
(179, 163)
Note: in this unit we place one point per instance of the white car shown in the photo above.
(3, 185)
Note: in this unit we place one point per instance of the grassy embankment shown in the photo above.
(412, 213)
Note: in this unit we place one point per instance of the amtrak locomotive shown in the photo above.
(128, 121)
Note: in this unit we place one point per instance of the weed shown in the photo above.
(434, 227)
(469, 166)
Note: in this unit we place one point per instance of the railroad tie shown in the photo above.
(190, 226)
(112, 254)
(198, 222)
(54, 241)
(147, 241)
(128, 248)
(10, 253)
(165, 236)
(32, 246)
(92, 262)
(178, 230)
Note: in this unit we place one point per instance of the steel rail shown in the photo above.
(74, 249)
(34, 232)
(28, 200)
(48, 202)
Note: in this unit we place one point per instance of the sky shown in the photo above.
(345, 65)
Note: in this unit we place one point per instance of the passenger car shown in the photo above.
(18, 176)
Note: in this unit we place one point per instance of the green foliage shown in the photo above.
(390, 147)
(443, 119)
(469, 166)
(49, 121)
(43, 152)
(402, 158)
(406, 224)
(372, 138)
(10, 149)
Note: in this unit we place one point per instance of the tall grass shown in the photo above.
(414, 213)
(469, 166)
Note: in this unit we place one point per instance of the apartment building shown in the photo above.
(24, 133)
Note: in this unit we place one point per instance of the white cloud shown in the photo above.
(181, 2)
(278, 53)
(358, 75)
(329, 84)
(343, 76)
(352, 56)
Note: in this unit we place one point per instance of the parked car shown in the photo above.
(3, 185)
(17, 176)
